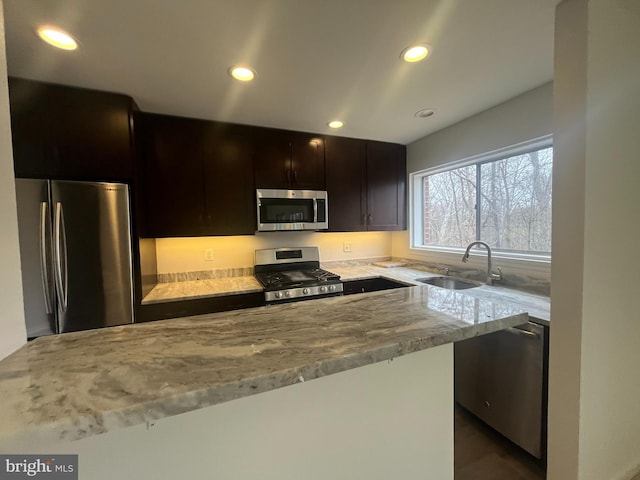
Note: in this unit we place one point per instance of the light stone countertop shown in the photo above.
(80, 384)
(212, 287)
(536, 305)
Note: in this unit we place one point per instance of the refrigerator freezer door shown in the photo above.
(34, 227)
(92, 254)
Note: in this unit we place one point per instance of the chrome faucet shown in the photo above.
(490, 275)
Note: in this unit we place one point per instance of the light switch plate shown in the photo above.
(346, 247)
(208, 254)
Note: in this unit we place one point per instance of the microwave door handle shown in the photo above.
(259, 204)
(315, 210)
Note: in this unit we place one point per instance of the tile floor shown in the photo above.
(483, 454)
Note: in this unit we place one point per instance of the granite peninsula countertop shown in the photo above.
(536, 305)
(80, 384)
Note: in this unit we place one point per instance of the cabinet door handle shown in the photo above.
(369, 219)
(295, 176)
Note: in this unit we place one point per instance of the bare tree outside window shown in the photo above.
(449, 207)
(515, 206)
(513, 197)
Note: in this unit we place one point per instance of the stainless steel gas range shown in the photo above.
(293, 274)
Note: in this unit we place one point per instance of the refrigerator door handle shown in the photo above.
(44, 260)
(60, 248)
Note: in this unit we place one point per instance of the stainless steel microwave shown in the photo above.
(282, 210)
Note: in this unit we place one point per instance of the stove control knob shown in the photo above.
(323, 289)
(287, 293)
(305, 291)
(332, 288)
(278, 295)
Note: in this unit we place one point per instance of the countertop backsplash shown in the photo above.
(204, 274)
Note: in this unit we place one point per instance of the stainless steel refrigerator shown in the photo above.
(75, 249)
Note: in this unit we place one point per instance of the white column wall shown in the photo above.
(12, 329)
(594, 406)
(610, 390)
(567, 240)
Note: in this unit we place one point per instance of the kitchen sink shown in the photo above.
(450, 283)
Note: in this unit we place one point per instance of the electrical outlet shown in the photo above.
(346, 247)
(208, 254)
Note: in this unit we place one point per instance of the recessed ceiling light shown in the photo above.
(56, 37)
(415, 53)
(335, 124)
(424, 113)
(242, 73)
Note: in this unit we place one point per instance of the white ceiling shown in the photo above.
(316, 60)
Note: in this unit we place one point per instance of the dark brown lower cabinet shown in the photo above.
(200, 306)
(370, 285)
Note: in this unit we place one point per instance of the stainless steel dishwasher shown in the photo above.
(502, 378)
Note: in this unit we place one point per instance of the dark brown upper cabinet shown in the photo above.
(30, 104)
(173, 174)
(346, 184)
(198, 177)
(230, 191)
(70, 133)
(289, 160)
(386, 186)
(365, 185)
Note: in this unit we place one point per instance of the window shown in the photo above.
(502, 198)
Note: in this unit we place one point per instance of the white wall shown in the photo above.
(12, 327)
(379, 422)
(520, 119)
(187, 254)
(594, 406)
(517, 120)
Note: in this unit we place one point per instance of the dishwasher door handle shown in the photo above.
(524, 333)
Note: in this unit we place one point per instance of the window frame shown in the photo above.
(416, 197)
